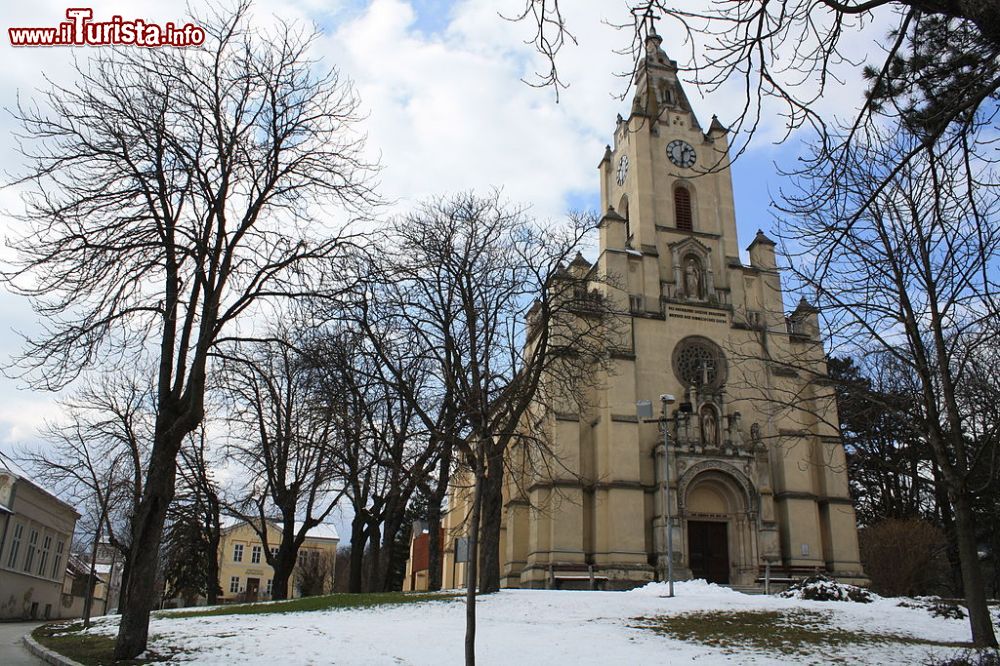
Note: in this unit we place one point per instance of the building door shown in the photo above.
(708, 550)
(253, 588)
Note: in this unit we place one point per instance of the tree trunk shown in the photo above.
(434, 554)
(144, 553)
(279, 583)
(942, 500)
(214, 531)
(972, 575)
(123, 583)
(471, 574)
(283, 566)
(390, 530)
(492, 514)
(358, 541)
(374, 582)
(212, 575)
(88, 604)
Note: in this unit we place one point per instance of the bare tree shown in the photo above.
(358, 452)
(284, 438)
(903, 261)
(436, 489)
(314, 574)
(937, 67)
(388, 453)
(507, 318)
(97, 455)
(172, 193)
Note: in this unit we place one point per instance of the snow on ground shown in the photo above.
(525, 627)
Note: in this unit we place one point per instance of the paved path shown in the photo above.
(12, 650)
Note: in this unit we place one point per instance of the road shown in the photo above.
(12, 650)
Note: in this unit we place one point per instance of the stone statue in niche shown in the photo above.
(709, 427)
(692, 279)
(755, 435)
(682, 429)
(736, 430)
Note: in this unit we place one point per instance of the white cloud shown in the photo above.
(446, 107)
(449, 112)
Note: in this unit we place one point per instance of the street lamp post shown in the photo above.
(668, 520)
(644, 410)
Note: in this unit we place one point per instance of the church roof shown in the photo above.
(607, 155)
(612, 214)
(761, 238)
(804, 306)
(578, 260)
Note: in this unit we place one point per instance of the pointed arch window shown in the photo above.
(682, 208)
(623, 211)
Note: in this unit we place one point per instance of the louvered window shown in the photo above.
(682, 208)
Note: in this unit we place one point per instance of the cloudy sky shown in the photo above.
(441, 83)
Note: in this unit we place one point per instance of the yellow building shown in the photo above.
(36, 530)
(755, 469)
(244, 574)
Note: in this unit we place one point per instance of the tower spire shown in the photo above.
(657, 86)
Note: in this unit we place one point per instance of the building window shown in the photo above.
(57, 562)
(44, 559)
(623, 211)
(274, 552)
(699, 362)
(29, 557)
(234, 585)
(238, 553)
(682, 208)
(255, 555)
(15, 545)
(270, 586)
(302, 558)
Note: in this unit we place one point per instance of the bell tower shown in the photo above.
(670, 182)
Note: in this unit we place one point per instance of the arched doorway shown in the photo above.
(719, 518)
(708, 534)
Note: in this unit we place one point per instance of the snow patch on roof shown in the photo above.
(9, 466)
(321, 531)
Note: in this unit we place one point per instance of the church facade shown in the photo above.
(753, 467)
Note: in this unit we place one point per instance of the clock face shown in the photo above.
(622, 169)
(681, 153)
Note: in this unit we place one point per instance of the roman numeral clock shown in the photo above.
(681, 153)
(622, 169)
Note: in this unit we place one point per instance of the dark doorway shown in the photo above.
(708, 551)
(253, 588)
